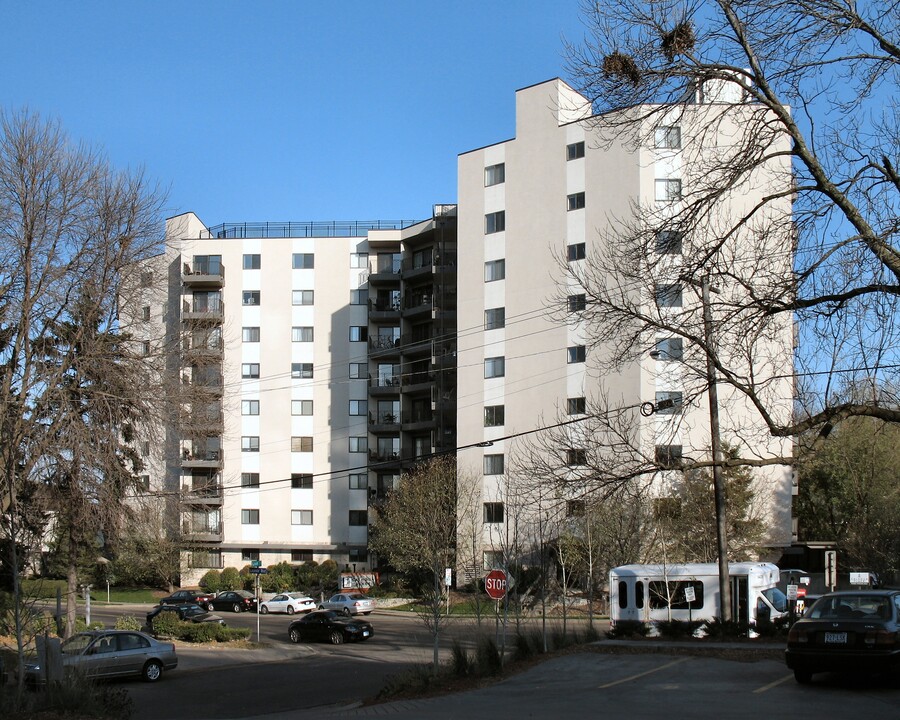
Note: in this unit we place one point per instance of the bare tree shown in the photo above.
(72, 392)
(789, 199)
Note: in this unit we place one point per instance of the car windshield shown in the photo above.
(357, 596)
(76, 644)
(851, 607)
(776, 598)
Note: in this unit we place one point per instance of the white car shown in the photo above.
(289, 603)
(352, 603)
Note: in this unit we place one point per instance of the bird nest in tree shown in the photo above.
(678, 40)
(622, 66)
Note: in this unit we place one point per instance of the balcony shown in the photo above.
(384, 422)
(203, 347)
(384, 310)
(417, 344)
(384, 386)
(205, 312)
(209, 493)
(382, 345)
(418, 420)
(203, 275)
(201, 458)
(418, 305)
(418, 382)
(384, 273)
(384, 456)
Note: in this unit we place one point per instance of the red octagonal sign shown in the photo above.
(495, 584)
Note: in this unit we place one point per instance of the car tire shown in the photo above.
(152, 671)
(336, 637)
(209, 606)
(264, 610)
(236, 607)
(346, 611)
(803, 677)
(290, 610)
(321, 607)
(294, 635)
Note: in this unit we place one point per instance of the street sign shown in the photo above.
(859, 578)
(259, 571)
(830, 569)
(689, 594)
(495, 584)
(791, 592)
(256, 563)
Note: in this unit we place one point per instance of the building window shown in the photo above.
(577, 303)
(250, 443)
(668, 242)
(359, 518)
(358, 407)
(494, 367)
(301, 481)
(249, 407)
(359, 333)
(494, 174)
(575, 201)
(494, 318)
(250, 297)
(145, 348)
(668, 457)
(668, 349)
(359, 371)
(144, 482)
(301, 555)
(359, 481)
(668, 295)
(575, 150)
(301, 517)
(668, 190)
(359, 555)
(576, 406)
(359, 444)
(668, 402)
(576, 354)
(249, 517)
(206, 559)
(493, 512)
(303, 261)
(251, 262)
(301, 370)
(302, 297)
(146, 279)
(301, 443)
(250, 370)
(493, 464)
(359, 260)
(359, 297)
(495, 222)
(250, 334)
(145, 448)
(145, 313)
(250, 480)
(494, 270)
(301, 334)
(575, 252)
(668, 137)
(576, 457)
(249, 555)
(494, 415)
(301, 407)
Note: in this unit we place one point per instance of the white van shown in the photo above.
(690, 591)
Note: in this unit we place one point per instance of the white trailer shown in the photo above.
(690, 591)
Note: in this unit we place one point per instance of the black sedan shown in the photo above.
(329, 625)
(852, 630)
(188, 596)
(234, 600)
(192, 613)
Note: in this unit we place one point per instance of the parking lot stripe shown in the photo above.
(647, 672)
(773, 684)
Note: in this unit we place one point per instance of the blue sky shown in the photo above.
(285, 109)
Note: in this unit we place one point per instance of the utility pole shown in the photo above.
(718, 482)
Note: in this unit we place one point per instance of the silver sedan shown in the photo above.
(353, 603)
(287, 603)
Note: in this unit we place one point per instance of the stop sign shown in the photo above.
(495, 584)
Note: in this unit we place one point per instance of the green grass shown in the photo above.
(37, 588)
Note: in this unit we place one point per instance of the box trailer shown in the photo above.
(690, 591)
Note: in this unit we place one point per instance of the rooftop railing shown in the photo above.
(333, 228)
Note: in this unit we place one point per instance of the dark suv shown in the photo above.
(189, 596)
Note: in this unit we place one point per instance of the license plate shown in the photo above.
(836, 638)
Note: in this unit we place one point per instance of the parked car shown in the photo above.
(188, 596)
(328, 625)
(852, 630)
(193, 613)
(349, 604)
(288, 603)
(111, 653)
(234, 600)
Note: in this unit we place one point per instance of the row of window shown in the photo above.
(495, 415)
(495, 367)
(304, 481)
(357, 518)
(212, 558)
(358, 333)
(298, 297)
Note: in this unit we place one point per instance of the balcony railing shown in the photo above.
(384, 342)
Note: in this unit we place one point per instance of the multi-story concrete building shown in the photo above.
(315, 359)
(551, 197)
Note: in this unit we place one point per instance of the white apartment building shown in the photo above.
(285, 330)
(555, 191)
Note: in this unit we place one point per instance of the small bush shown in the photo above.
(231, 579)
(415, 680)
(81, 625)
(628, 630)
(526, 645)
(677, 629)
(167, 624)
(460, 662)
(128, 622)
(211, 581)
(487, 656)
(722, 629)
